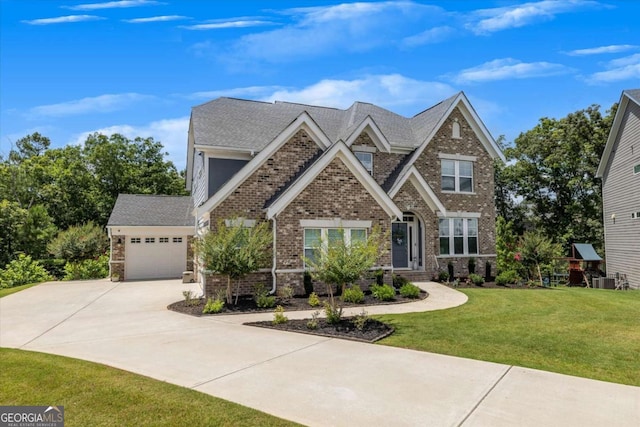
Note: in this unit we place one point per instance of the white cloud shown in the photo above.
(603, 49)
(97, 104)
(508, 68)
(401, 94)
(432, 35)
(163, 18)
(502, 18)
(227, 24)
(114, 4)
(63, 19)
(347, 27)
(626, 68)
(171, 132)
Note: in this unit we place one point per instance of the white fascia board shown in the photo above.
(303, 121)
(457, 156)
(226, 152)
(423, 187)
(480, 129)
(151, 230)
(369, 126)
(613, 135)
(341, 151)
(190, 149)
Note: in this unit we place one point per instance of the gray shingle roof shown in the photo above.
(251, 125)
(633, 94)
(150, 210)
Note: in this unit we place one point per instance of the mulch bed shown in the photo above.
(246, 304)
(372, 331)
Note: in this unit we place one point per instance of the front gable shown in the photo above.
(336, 155)
(270, 169)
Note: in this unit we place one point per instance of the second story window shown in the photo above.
(366, 159)
(457, 175)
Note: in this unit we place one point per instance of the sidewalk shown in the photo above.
(313, 380)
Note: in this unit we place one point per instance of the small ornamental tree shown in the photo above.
(340, 263)
(235, 251)
(79, 242)
(538, 252)
(506, 245)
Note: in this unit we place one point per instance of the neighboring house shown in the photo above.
(427, 181)
(620, 172)
(151, 236)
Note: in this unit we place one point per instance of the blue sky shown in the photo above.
(68, 68)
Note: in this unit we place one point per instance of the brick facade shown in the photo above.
(383, 163)
(117, 256)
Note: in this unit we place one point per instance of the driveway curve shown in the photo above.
(313, 380)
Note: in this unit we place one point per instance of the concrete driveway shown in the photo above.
(312, 380)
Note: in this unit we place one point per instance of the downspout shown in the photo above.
(273, 268)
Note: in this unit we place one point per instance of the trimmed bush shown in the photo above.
(379, 276)
(477, 279)
(353, 295)
(87, 269)
(262, 298)
(313, 300)
(410, 291)
(507, 278)
(399, 281)
(213, 306)
(383, 293)
(443, 276)
(308, 283)
(278, 316)
(22, 271)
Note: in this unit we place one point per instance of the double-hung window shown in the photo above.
(457, 175)
(315, 238)
(366, 159)
(458, 236)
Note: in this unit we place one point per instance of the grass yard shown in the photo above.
(8, 291)
(97, 395)
(575, 331)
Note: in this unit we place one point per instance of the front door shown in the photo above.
(400, 244)
(406, 243)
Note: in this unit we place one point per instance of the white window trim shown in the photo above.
(355, 152)
(457, 156)
(334, 223)
(324, 236)
(457, 177)
(465, 237)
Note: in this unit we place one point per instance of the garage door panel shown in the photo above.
(154, 258)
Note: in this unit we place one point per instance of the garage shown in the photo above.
(150, 237)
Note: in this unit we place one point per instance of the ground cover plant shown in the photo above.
(575, 331)
(97, 395)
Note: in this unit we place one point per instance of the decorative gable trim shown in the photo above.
(613, 134)
(338, 151)
(424, 189)
(369, 126)
(474, 121)
(302, 122)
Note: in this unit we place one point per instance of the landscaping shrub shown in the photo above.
(360, 320)
(190, 298)
(285, 293)
(22, 271)
(476, 279)
(313, 322)
(87, 269)
(487, 271)
(80, 242)
(410, 291)
(507, 277)
(308, 283)
(262, 298)
(383, 293)
(399, 281)
(278, 316)
(443, 276)
(450, 269)
(313, 300)
(333, 313)
(213, 306)
(379, 276)
(472, 265)
(353, 295)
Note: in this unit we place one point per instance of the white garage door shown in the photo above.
(156, 257)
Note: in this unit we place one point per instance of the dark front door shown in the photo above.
(400, 245)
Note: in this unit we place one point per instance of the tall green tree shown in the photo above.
(24, 231)
(551, 173)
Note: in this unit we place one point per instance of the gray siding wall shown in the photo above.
(220, 171)
(621, 196)
(199, 180)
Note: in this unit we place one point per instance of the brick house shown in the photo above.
(428, 181)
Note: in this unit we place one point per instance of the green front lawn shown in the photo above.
(97, 395)
(8, 291)
(583, 332)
